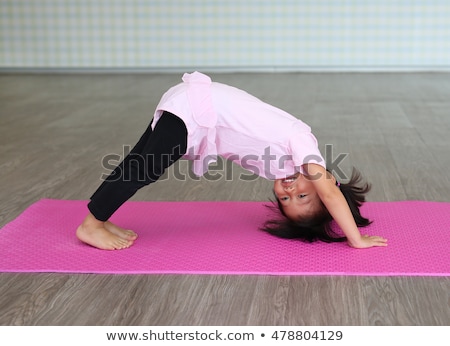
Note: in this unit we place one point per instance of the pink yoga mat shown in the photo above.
(223, 238)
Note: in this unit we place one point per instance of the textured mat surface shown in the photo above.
(223, 238)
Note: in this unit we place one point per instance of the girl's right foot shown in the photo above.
(93, 232)
(121, 232)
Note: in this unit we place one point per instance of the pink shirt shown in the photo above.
(226, 121)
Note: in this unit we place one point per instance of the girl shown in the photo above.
(199, 120)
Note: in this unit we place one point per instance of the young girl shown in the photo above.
(199, 120)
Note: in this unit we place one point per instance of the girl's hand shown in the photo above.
(335, 202)
(367, 241)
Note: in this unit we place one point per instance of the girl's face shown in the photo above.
(297, 196)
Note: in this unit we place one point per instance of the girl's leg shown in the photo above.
(156, 152)
(109, 226)
(148, 160)
(137, 150)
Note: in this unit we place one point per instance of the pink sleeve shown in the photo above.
(304, 149)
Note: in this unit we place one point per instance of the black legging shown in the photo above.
(146, 162)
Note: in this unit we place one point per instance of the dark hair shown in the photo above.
(318, 226)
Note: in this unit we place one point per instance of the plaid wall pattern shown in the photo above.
(261, 34)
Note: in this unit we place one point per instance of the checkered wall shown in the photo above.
(246, 34)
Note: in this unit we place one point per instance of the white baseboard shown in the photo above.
(223, 69)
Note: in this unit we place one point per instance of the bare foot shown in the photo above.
(119, 231)
(94, 233)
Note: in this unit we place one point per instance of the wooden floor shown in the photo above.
(55, 129)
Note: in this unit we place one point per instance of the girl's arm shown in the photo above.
(335, 202)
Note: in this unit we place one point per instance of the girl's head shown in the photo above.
(304, 216)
